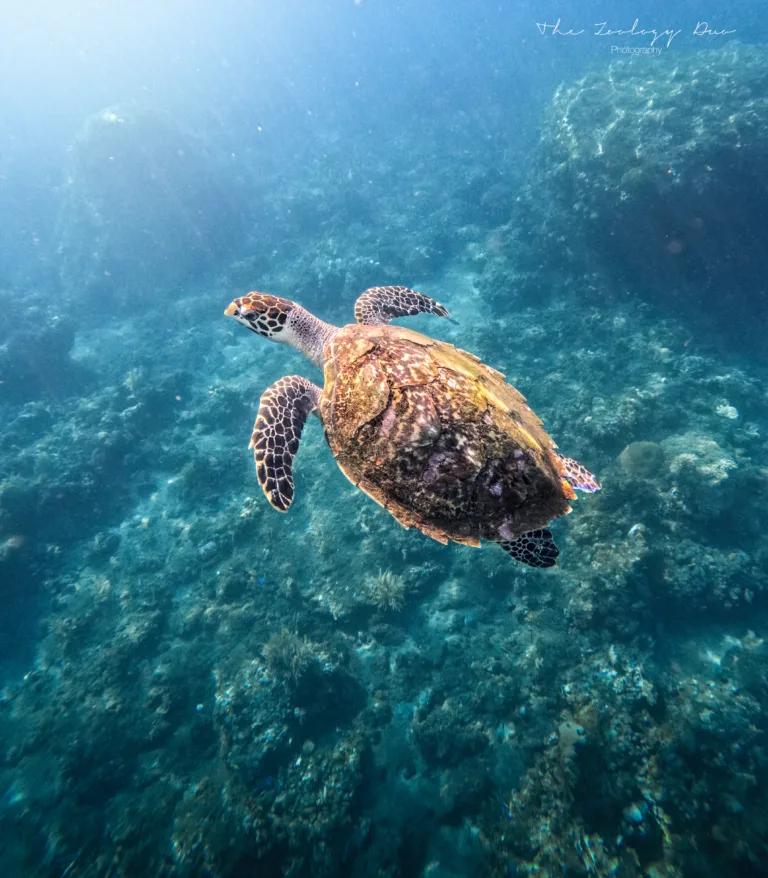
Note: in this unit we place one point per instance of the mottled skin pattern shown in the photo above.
(378, 305)
(269, 313)
(436, 437)
(537, 548)
(283, 410)
(578, 476)
(283, 321)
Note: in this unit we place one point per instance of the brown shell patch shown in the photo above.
(359, 396)
(408, 365)
(436, 437)
(410, 420)
(458, 400)
(347, 347)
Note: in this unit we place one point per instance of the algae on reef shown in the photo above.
(650, 178)
(218, 689)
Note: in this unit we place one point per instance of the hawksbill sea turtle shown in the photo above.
(431, 433)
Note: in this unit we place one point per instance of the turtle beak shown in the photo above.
(242, 315)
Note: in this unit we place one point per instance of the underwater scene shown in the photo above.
(483, 284)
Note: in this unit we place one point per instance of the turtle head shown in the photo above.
(266, 315)
(283, 321)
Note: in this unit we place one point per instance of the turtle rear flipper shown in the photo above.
(283, 411)
(536, 549)
(578, 476)
(378, 305)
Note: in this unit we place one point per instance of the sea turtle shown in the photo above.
(428, 431)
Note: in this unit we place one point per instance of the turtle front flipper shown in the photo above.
(378, 305)
(536, 549)
(283, 411)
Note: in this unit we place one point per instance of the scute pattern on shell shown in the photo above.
(408, 365)
(410, 420)
(360, 398)
(436, 437)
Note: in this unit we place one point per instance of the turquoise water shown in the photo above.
(194, 684)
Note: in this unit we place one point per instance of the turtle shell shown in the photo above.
(438, 438)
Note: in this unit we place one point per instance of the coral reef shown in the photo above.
(645, 180)
(35, 353)
(635, 820)
(643, 459)
(287, 655)
(385, 590)
(193, 684)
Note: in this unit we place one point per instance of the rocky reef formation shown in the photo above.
(36, 340)
(220, 700)
(649, 176)
(193, 684)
